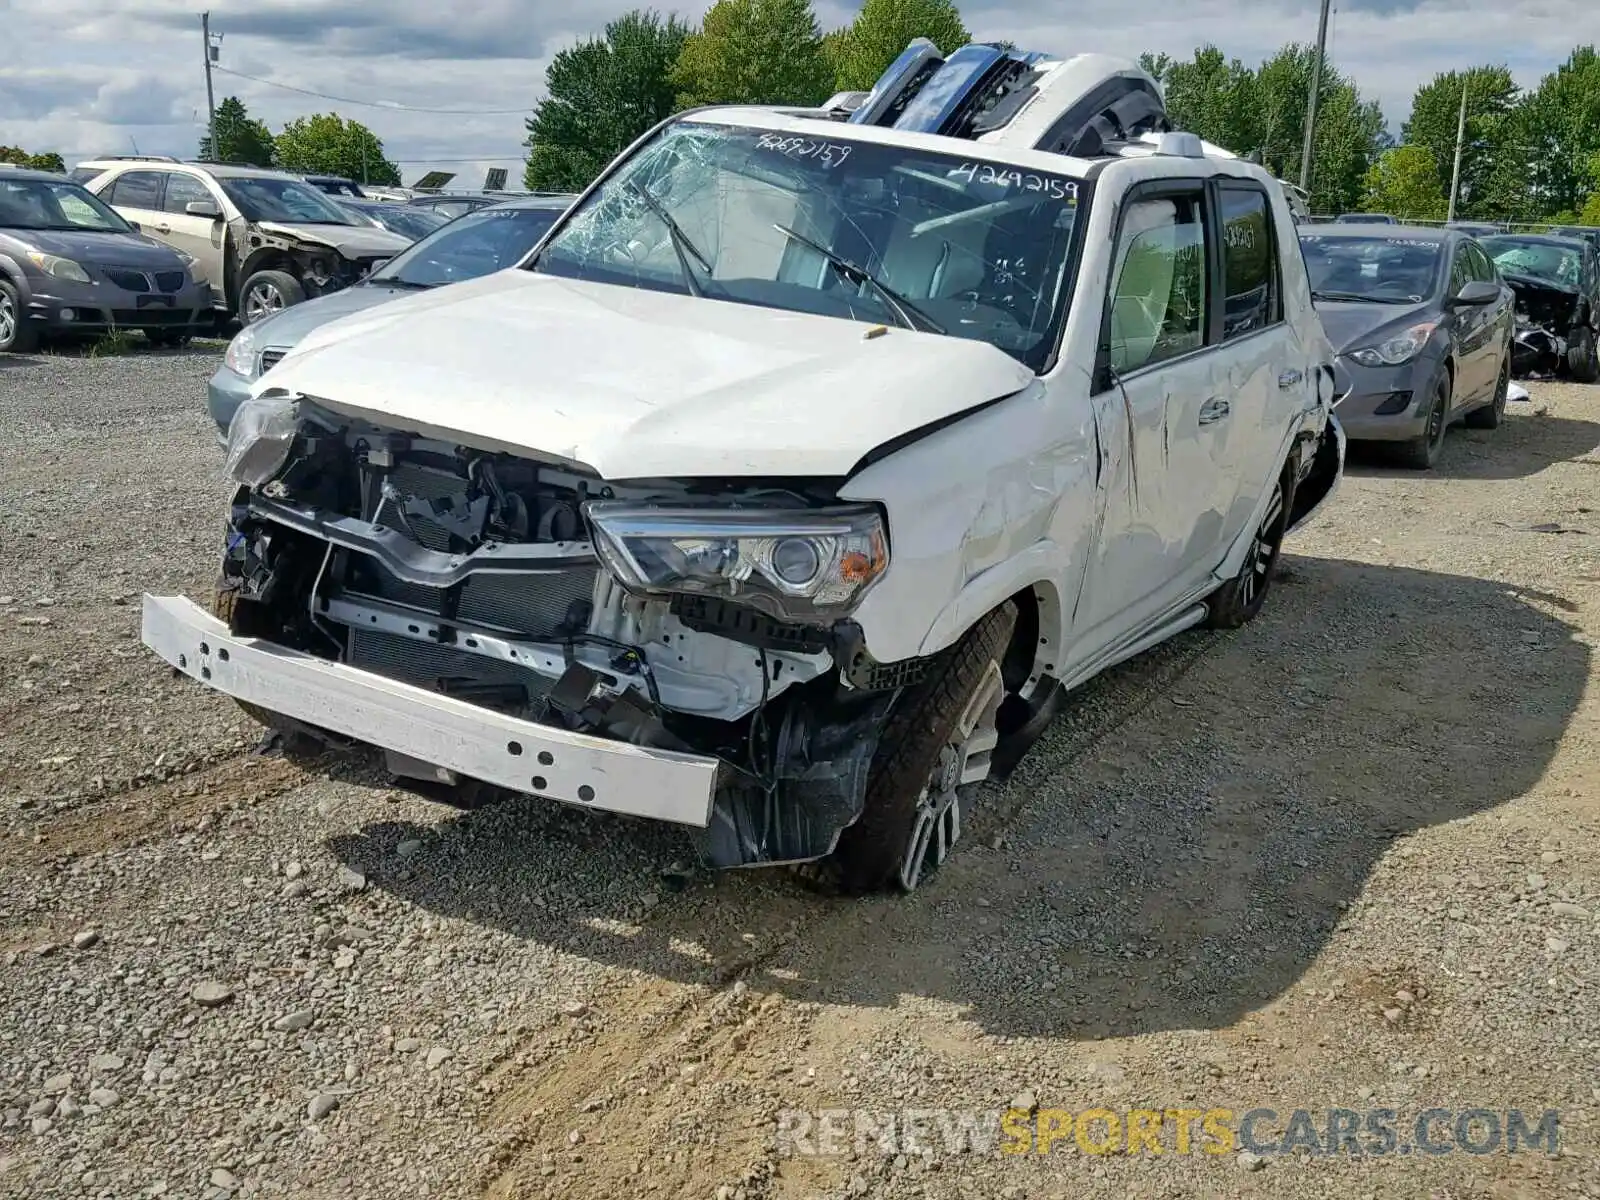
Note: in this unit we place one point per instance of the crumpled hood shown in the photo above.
(352, 241)
(1545, 301)
(101, 249)
(1351, 325)
(640, 384)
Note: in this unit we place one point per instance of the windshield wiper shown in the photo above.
(681, 245)
(1358, 297)
(407, 284)
(908, 312)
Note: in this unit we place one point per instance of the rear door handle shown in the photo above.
(1214, 409)
(1289, 378)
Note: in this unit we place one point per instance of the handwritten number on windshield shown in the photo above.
(829, 154)
(988, 175)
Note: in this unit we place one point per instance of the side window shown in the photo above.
(136, 189)
(1250, 263)
(1482, 268)
(183, 190)
(1158, 282)
(1460, 269)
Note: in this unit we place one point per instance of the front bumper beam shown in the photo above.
(509, 752)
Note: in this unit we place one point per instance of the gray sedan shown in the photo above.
(479, 243)
(70, 265)
(1422, 324)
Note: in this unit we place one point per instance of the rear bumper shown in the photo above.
(510, 752)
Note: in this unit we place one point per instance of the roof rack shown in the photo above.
(131, 158)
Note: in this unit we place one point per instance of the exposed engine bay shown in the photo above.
(478, 575)
(1544, 316)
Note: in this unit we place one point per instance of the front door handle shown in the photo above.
(1214, 409)
(163, 228)
(1289, 378)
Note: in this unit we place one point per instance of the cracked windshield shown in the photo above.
(850, 229)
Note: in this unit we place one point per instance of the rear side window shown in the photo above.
(1250, 262)
(183, 190)
(84, 174)
(135, 189)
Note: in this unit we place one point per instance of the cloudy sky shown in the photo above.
(90, 77)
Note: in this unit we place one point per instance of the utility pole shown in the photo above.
(211, 98)
(1311, 103)
(1461, 137)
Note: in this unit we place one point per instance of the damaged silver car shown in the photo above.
(789, 484)
(261, 240)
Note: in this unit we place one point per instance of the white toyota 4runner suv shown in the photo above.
(788, 485)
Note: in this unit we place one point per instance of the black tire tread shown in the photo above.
(293, 290)
(869, 852)
(1492, 414)
(1584, 368)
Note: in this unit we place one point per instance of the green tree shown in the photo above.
(18, 157)
(1404, 181)
(602, 94)
(754, 52)
(1210, 96)
(239, 138)
(1489, 146)
(1560, 128)
(882, 30)
(326, 143)
(1349, 133)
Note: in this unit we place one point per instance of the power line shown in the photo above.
(455, 112)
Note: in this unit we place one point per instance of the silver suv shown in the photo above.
(261, 240)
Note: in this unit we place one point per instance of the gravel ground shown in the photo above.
(1343, 857)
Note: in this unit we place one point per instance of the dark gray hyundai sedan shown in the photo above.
(1422, 325)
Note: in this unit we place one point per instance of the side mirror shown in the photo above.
(134, 225)
(1475, 293)
(203, 208)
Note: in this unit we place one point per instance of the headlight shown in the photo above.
(1396, 350)
(241, 355)
(800, 566)
(260, 437)
(61, 268)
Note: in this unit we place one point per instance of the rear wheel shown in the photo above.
(1422, 452)
(1242, 597)
(1491, 414)
(934, 749)
(1583, 356)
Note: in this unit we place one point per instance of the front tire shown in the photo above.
(267, 292)
(935, 746)
(16, 336)
(1492, 414)
(1583, 357)
(1422, 453)
(244, 618)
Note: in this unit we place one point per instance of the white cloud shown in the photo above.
(104, 76)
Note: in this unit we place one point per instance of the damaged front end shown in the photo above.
(1544, 316)
(704, 622)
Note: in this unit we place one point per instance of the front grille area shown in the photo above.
(425, 664)
(269, 359)
(169, 281)
(129, 281)
(140, 318)
(535, 606)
